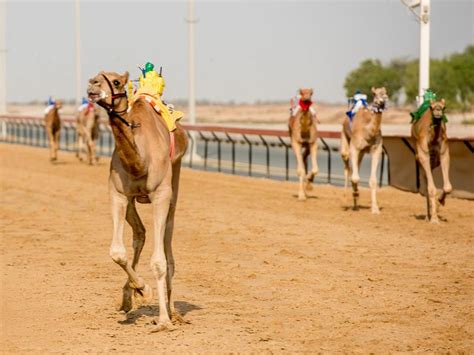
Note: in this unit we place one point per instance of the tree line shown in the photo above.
(452, 78)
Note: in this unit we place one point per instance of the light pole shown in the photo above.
(192, 84)
(78, 53)
(3, 58)
(423, 18)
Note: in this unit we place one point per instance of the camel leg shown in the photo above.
(424, 159)
(447, 187)
(129, 293)
(56, 143)
(118, 253)
(376, 153)
(314, 165)
(51, 144)
(90, 152)
(356, 157)
(161, 199)
(300, 170)
(80, 144)
(175, 316)
(345, 159)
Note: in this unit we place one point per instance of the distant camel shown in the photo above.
(303, 134)
(87, 129)
(145, 167)
(52, 124)
(432, 150)
(363, 135)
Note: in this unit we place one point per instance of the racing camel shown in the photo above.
(142, 169)
(432, 150)
(87, 128)
(52, 124)
(303, 135)
(363, 135)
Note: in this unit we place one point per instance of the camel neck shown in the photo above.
(125, 145)
(375, 121)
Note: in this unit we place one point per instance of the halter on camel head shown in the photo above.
(110, 108)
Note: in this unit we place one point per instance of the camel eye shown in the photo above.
(116, 82)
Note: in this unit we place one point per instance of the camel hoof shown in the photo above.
(375, 210)
(164, 326)
(309, 186)
(177, 318)
(143, 296)
(434, 221)
(302, 197)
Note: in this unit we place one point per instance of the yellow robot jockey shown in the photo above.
(151, 86)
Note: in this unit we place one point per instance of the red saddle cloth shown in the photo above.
(305, 105)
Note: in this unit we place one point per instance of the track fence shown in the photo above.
(242, 151)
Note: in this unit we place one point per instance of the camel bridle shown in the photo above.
(110, 108)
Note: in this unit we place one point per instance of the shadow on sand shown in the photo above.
(153, 310)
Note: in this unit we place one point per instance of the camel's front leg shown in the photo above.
(355, 160)
(447, 187)
(50, 134)
(345, 159)
(376, 153)
(300, 169)
(424, 159)
(56, 143)
(161, 202)
(314, 165)
(118, 253)
(80, 145)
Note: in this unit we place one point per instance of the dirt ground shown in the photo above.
(257, 270)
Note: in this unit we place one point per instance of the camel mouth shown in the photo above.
(95, 97)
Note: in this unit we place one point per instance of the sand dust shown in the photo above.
(257, 270)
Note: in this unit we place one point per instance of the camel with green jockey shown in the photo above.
(432, 149)
(145, 168)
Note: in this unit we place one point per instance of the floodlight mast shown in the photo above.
(424, 65)
(3, 59)
(78, 53)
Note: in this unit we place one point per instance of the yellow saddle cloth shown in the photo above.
(150, 89)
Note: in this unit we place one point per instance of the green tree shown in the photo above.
(372, 73)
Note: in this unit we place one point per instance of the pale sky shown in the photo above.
(245, 50)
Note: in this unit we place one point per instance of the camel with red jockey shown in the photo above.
(87, 132)
(432, 150)
(142, 170)
(363, 135)
(303, 134)
(52, 124)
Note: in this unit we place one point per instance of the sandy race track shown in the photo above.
(257, 270)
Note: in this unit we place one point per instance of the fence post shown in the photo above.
(250, 153)
(268, 155)
(218, 151)
(205, 149)
(233, 151)
(329, 159)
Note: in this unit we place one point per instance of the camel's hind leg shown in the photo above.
(345, 159)
(300, 170)
(130, 293)
(80, 146)
(56, 143)
(313, 150)
(50, 134)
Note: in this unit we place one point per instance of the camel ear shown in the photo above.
(311, 91)
(301, 91)
(125, 76)
(431, 102)
(443, 102)
(373, 90)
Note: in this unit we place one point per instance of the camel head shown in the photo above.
(58, 104)
(105, 87)
(306, 94)
(437, 108)
(380, 97)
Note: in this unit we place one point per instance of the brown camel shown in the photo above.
(432, 150)
(303, 135)
(142, 169)
(52, 124)
(363, 135)
(87, 129)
